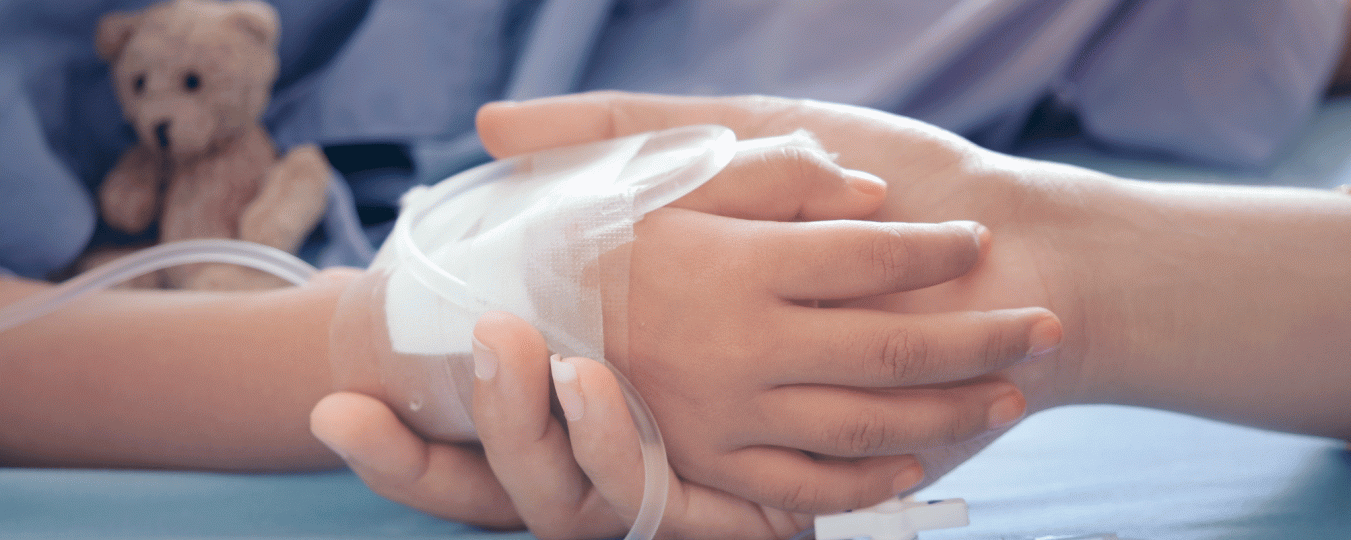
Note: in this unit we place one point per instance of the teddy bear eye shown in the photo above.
(138, 84)
(191, 81)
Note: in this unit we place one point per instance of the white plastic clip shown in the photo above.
(893, 519)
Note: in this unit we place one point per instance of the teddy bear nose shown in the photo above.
(162, 134)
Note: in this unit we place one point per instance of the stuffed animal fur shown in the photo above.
(193, 78)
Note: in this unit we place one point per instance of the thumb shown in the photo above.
(513, 128)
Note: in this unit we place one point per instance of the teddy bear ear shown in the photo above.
(114, 30)
(258, 19)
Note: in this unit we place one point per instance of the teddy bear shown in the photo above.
(193, 78)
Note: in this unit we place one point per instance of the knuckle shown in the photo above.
(797, 169)
(954, 430)
(819, 497)
(800, 497)
(889, 252)
(900, 355)
(805, 162)
(1000, 348)
(868, 434)
(954, 419)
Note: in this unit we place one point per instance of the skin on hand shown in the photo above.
(1101, 252)
(933, 162)
(527, 465)
(1170, 293)
(446, 480)
(795, 473)
(766, 396)
(585, 481)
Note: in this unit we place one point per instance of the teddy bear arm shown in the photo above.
(130, 195)
(290, 202)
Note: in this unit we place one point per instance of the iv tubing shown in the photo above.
(268, 259)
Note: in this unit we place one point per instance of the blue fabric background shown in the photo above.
(1220, 82)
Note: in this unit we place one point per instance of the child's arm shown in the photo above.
(168, 379)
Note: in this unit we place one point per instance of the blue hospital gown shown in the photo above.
(396, 82)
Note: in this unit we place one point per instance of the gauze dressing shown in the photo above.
(542, 236)
(524, 235)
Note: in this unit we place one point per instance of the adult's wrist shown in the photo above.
(1224, 301)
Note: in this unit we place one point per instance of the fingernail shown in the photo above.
(323, 438)
(866, 183)
(356, 460)
(982, 232)
(1045, 337)
(485, 361)
(567, 386)
(1006, 410)
(907, 479)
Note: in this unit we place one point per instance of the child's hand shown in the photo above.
(744, 377)
(751, 300)
(454, 481)
(933, 176)
(762, 394)
(585, 482)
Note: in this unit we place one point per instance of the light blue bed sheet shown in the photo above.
(1138, 473)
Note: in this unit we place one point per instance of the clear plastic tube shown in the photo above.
(656, 482)
(265, 258)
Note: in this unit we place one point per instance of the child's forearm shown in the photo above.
(168, 379)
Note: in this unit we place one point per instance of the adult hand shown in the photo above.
(762, 394)
(933, 176)
(586, 480)
(793, 181)
(1189, 298)
(717, 317)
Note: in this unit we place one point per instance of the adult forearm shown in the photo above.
(168, 379)
(1229, 302)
